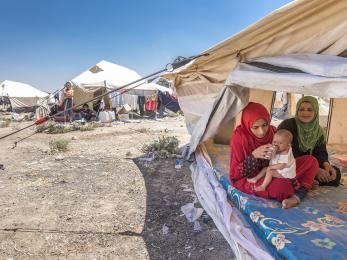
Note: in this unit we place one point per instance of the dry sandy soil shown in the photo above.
(98, 200)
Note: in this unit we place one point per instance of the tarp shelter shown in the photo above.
(299, 48)
(23, 97)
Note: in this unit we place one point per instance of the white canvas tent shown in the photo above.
(23, 97)
(99, 79)
(301, 47)
(105, 76)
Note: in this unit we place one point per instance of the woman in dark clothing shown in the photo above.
(308, 138)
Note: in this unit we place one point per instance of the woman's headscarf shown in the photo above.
(251, 113)
(309, 134)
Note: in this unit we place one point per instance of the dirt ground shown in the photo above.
(98, 200)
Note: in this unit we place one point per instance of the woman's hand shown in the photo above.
(262, 152)
(332, 172)
(323, 175)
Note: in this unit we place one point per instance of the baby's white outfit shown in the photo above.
(290, 170)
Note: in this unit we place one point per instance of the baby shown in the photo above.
(282, 164)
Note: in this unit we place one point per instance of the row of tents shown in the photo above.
(100, 78)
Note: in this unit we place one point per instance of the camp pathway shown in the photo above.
(98, 200)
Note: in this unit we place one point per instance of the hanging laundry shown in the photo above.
(151, 103)
(131, 100)
(116, 99)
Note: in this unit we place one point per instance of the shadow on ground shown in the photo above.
(168, 189)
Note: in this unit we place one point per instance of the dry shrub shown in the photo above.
(143, 130)
(164, 147)
(52, 127)
(58, 145)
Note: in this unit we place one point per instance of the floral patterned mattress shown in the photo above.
(316, 229)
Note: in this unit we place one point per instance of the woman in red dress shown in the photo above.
(249, 146)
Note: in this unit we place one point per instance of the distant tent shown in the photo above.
(99, 79)
(105, 76)
(104, 73)
(23, 97)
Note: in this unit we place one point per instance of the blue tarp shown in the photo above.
(169, 102)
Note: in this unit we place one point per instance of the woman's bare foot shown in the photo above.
(259, 188)
(315, 185)
(291, 202)
(252, 180)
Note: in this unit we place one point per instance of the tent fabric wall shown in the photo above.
(81, 95)
(338, 124)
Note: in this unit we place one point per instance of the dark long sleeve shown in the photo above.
(242, 165)
(321, 153)
(249, 167)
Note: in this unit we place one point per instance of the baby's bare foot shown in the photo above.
(252, 180)
(315, 185)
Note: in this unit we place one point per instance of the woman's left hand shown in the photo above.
(332, 172)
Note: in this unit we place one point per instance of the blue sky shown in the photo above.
(47, 42)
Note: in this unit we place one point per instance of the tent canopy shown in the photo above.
(17, 89)
(23, 97)
(301, 27)
(104, 73)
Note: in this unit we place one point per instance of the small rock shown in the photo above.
(59, 158)
(197, 226)
(165, 230)
(128, 154)
(74, 137)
